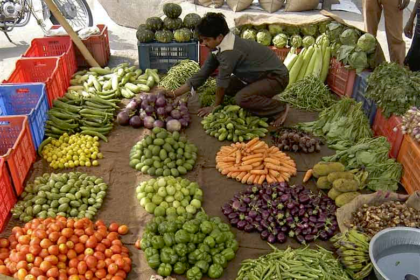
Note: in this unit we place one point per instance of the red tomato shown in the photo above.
(113, 227)
(123, 229)
(82, 267)
(45, 243)
(112, 268)
(91, 262)
(53, 272)
(24, 239)
(53, 250)
(45, 266)
(67, 232)
(4, 243)
(52, 259)
(4, 270)
(100, 273)
(36, 271)
(21, 274)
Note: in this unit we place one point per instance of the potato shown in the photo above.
(344, 185)
(333, 193)
(323, 183)
(345, 198)
(325, 168)
(340, 175)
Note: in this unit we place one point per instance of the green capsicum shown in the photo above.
(194, 273)
(228, 253)
(157, 242)
(229, 235)
(193, 256)
(154, 261)
(180, 268)
(203, 266)
(204, 247)
(201, 237)
(190, 227)
(168, 255)
(181, 249)
(164, 269)
(191, 247)
(159, 220)
(202, 216)
(194, 238)
(150, 252)
(232, 244)
(215, 271)
(182, 236)
(151, 227)
(209, 241)
(163, 227)
(216, 220)
(214, 251)
(172, 227)
(206, 227)
(145, 243)
(219, 259)
(218, 236)
(169, 239)
(224, 227)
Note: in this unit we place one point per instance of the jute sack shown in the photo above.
(301, 5)
(239, 5)
(344, 214)
(271, 6)
(211, 3)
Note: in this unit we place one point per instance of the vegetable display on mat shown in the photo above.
(64, 248)
(342, 125)
(71, 194)
(371, 219)
(295, 140)
(255, 163)
(353, 249)
(61, 153)
(394, 89)
(207, 95)
(233, 123)
(279, 211)
(308, 94)
(153, 110)
(342, 186)
(169, 196)
(371, 155)
(192, 245)
(303, 263)
(411, 123)
(163, 153)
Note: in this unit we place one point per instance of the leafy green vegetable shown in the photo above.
(323, 26)
(280, 40)
(308, 41)
(358, 61)
(334, 30)
(367, 43)
(372, 155)
(309, 30)
(296, 41)
(394, 88)
(207, 94)
(264, 37)
(292, 30)
(275, 29)
(349, 37)
(249, 34)
(308, 94)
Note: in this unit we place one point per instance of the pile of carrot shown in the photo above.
(254, 163)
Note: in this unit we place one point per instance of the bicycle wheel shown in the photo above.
(76, 12)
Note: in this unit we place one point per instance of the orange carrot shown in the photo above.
(307, 176)
(226, 159)
(245, 178)
(251, 161)
(256, 146)
(240, 176)
(252, 156)
(262, 150)
(252, 142)
(238, 157)
(274, 173)
(259, 172)
(269, 179)
(233, 174)
(259, 167)
(273, 161)
(261, 180)
(250, 179)
(256, 165)
(257, 179)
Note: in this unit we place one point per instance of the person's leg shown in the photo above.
(413, 56)
(372, 11)
(257, 98)
(235, 85)
(394, 30)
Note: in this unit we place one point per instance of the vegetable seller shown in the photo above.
(249, 71)
(412, 59)
(393, 12)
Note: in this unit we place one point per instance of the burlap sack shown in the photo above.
(239, 5)
(271, 6)
(301, 5)
(344, 213)
(211, 3)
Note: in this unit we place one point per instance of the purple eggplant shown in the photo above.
(309, 237)
(284, 197)
(284, 228)
(300, 239)
(253, 214)
(248, 228)
(281, 237)
(233, 216)
(323, 235)
(234, 222)
(304, 198)
(290, 205)
(264, 235)
(241, 225)
(271, 238)
(259, 228)
(313, 219)
(265, 224)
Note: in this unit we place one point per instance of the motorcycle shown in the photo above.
(17, 13)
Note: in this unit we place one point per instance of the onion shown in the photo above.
(132, 105)
(135, 121)
(173, 125)
(161, 102)
(158, 123)
(151, 98)
(176, 114)
(123, 118)
(144, 104)
(169, 108)
(149, 110)
(161, 111)
(148, 122)
(183, 122)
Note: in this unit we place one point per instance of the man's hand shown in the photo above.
(403, 4)
(408, 29)
(169, 94)
(205, 111)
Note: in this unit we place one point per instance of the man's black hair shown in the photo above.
(212, 25)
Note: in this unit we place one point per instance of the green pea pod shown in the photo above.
(95, 133)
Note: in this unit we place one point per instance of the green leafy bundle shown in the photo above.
(207, 94)
(308, 94)
(394, 89)
(342, 124)
(372, 155)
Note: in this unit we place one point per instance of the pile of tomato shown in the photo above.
(65, 249)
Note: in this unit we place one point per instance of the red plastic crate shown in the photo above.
(282, 53)
(46, 70)
(385, 127)
(7, 196)
(55, 46)
(98, 45)
(203, 54)
(17, 148)
(340, 79)
(409, 157)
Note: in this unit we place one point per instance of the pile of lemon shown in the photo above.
(72, 151)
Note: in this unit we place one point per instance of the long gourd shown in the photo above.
(318, 63)
(311, 65)
(306, 59)
(294, 72)
(325, 64)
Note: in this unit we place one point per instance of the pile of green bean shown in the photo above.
(308, 94)
(303, 263)
(179, 74)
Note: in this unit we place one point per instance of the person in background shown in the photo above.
(393, 12)
(413, 56)
(249, 71)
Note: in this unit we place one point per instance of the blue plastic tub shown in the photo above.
(359, 94)
(163, 56)
(26, 99)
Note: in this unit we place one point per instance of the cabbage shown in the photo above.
(296, 41)
(249, 34)
(308, 41)
(260, 27)
(334, 49)
(367, 43)
(334, 30)
(322, 27)
(280, 40)
(349, 37)
(309, 30)
(275, 29)
(372, 61)
(264, 37)
(358, 60)
(292, 30)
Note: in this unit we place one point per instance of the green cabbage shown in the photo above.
(260, 27)
(249, 34)
(334, 30)
(264, 37)
(322, 27)
(275, 29)
(309, 30)
(280, 40)
(334, 49)
(349, 37)
(359, 61)
(292, 30)
(367, 43)
(308, 41)
(296, 41)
